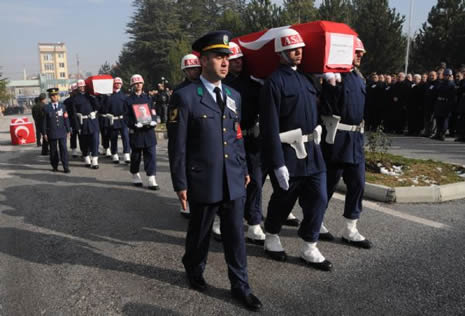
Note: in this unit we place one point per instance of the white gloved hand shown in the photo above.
(282, 174)
(153, 123)
(138, 125)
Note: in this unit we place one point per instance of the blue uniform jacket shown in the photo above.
(85, 104)
(445, 97)
(116, 106)
(348, 146)
(288, 102)
(56, 123)
(139, 137)
(206, 148)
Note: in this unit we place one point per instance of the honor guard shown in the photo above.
(291, 149)
(208, 166)
(190, 66)
(55, 128)
(69, 107)
(104, 124)
(85, 109)
(117, 126)
(343, 148)
(141, 121)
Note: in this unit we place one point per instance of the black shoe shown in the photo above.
(250, 301)
(323, 266)
(44, 153)
(39, 145)
(139, 184)
(55, 169)
(259, 242)
(365, 244)
(277, 255)
(459, 139)
(292, 222)
(197, 283)
(116, 162)
(94, 167)
(326, 237)
(217, 237)
(67, 170)
(154, 188)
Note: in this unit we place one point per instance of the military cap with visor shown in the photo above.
(216, 42)
(53, 91)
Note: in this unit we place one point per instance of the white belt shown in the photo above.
(352, 128)
(297, 141)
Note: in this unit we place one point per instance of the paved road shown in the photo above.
(89, 243)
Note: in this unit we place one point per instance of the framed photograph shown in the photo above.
(142, 113)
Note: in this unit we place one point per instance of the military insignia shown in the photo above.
(154, 112)
(173, 115)
(237, 128)
(225, 40)
(65, 115)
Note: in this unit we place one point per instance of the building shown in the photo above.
(53, 62)
(23, 92)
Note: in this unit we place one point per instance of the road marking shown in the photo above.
(376, 207)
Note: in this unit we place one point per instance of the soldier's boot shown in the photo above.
(153, 183)
(108, 152)
(136, 179)
(94, 164)
(325, 234)
(273, 247)
(255, 235)
(351, 236)
(311, 255)
(115, 158)
(292, 220)
(127, 158)
(216, 230)
(87, 161)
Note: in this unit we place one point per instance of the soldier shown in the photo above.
(104, 124)
(85, 109)
(56, 128)
(428, 104)
(291, 137)
(38, 116)
(415, 107)
(141, 121)
(190, 66)
(444, 101)
(162, 100)
(69, 108)
(343, 148)
(208, 167)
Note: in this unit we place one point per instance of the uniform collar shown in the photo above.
(210, 86)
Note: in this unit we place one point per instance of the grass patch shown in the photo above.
(414, 172)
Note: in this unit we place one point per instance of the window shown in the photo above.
(62, 65)
(47, 57)
(61, 55)
(62, 74)
(49, 67)
(50, 76)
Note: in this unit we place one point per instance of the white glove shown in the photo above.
(153, 123)
(282, 174)
(138, 125)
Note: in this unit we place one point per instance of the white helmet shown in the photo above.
(136, 79)
(190, 61)
(287, 39)
(74, 86)
(118, 80)
(81, 83)
(236, 51)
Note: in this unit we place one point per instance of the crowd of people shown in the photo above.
(228, 131)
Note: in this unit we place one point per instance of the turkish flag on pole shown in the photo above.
(329, 47)
(22, 132)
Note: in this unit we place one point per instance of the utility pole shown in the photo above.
(408, 36)
(78, 69)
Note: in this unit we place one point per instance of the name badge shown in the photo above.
(60, 112)
(231, 104)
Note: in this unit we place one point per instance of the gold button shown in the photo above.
(225, 143)
(224, 129)
(226, 156)
(204, 116)
(224, 117)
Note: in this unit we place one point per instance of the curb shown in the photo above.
(432, 194)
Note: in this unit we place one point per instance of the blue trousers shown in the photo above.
(124, 137)
(354, 178)
(253, 203)
(150, 160)
(312, 196)
(232, 234)
(54, 145)
(89, 144)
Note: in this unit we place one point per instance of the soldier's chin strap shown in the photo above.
(285, 56)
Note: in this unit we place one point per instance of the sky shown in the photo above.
(93, 29)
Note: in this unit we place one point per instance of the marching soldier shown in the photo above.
(190, 66)
(291, 138)
(104, 124)
(444, 102)
(117, 126)
(85, 109)
(141, 121)
(208, 167)
(69, 108)
(343, 148)
(56, 128)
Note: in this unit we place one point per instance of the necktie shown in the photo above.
(55, 106)
(219, 98)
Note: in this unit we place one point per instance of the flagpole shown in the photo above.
(408, 36)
